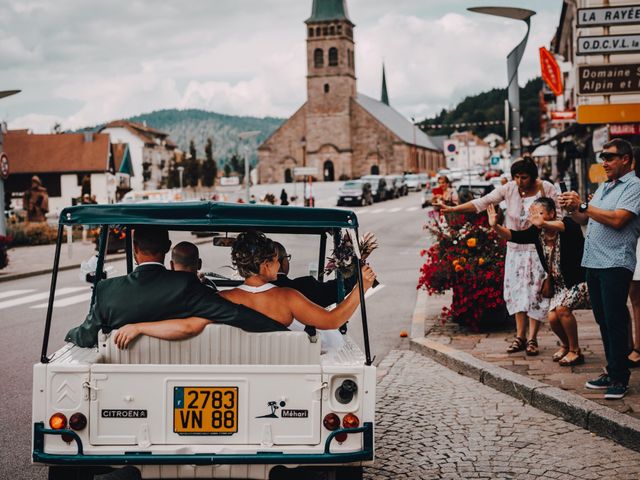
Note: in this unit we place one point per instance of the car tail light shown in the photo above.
(350, 421)
(78, 421)
(58, 421)
(331, 421)
(341, 437)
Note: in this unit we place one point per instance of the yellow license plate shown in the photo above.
(205, 410)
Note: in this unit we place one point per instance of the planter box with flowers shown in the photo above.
(468, 258)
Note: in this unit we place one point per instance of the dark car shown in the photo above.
(355, 192)
(378, 186)
(399, 185)
(472, 190)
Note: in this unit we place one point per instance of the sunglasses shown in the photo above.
(608, 156)
(288, 257)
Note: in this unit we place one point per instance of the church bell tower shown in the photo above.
(331, 76)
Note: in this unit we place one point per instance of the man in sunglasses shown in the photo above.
(610, 258)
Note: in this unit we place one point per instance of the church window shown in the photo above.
(332, 30)
(311, 32)
(325, 31)
(339, 29)
(318, 31)
(349, 58)
(333, 57)
(318, 58)
(326, 88)
(349, 32)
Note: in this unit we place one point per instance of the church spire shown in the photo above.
(327, 10)
(385, 95)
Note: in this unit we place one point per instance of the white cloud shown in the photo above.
(36, 122)
(108, 60)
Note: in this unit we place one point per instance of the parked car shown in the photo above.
(402, 185)
(355, 192)
(413, 182)
(396, 186)
(378, 186)
(424, 179)
(474, 189)
(240, 404)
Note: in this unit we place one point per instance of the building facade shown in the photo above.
(339, 132)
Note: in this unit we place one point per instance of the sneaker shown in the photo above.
(616, 391)
(603, 382)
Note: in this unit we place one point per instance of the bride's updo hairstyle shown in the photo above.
(249, 251)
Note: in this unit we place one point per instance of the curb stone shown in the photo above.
(571, 407)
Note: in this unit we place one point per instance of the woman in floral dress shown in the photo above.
(559, 245)
(523, 272)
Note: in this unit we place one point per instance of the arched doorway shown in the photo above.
(328, 171)
(375, 170)
(288, 176)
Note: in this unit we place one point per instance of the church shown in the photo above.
(338, 131)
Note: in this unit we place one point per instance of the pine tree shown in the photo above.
(173, 177)
(209, 166)
(191, 167)
(237, 164)
(227, 169)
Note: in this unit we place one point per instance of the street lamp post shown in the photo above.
(180, 171)
(3, 225)
(513, 61)
(247, 181)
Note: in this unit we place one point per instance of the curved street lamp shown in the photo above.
(513, 61)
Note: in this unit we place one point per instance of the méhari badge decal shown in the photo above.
(284, 413)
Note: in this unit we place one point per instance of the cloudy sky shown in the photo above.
(84, 62)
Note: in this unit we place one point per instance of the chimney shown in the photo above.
(88, 137)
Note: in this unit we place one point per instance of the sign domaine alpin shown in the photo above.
(603, 16)
(608, 79)
(606, 44)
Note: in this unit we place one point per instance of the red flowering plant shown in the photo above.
(468, 258)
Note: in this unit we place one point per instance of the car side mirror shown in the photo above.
(224, 241)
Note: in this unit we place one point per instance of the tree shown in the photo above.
(227, 169)
(173, 177)
(191, 167)
(237, 164)
(209, 166)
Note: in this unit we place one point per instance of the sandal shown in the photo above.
(532, 348)
(634, 363)
(570, 362)
(560, 353)
(517, 345)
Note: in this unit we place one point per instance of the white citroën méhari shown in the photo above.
(223, 404)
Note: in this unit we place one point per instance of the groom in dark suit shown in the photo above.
(151, 293)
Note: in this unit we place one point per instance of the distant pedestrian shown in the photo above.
(445, 193)
(284, 198)
(36, 201)
(559, 245)
(610, 258)
(523, 272)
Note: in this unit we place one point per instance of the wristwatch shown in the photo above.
(583, 207)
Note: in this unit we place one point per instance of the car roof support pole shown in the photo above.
(129, 250)
(102, 249)
(363, 312)
(323, 254)
(52, 291)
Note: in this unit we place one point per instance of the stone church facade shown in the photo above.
(340, 132)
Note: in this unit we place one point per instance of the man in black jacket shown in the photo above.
(151, 293)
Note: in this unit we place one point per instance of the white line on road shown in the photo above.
(65, 302)
(38, 296)
(412, 209)
(393, 210)
(379, 210)
(13, 293)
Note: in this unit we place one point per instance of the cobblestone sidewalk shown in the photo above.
(433, 423)
(491, 347)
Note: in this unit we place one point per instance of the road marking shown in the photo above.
(13, 293)
(65, 302)
(38, 296)
(397, 209)
(379, 210)
(412, 209)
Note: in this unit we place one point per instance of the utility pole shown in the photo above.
(247, 180)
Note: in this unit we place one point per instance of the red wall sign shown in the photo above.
(4, 166)
(551, 73)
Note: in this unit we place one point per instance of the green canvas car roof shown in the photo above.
(211, 215)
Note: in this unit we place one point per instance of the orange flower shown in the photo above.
(481, 261)
(472, 242)
(459, 268)
(462, 260)
(455, 263)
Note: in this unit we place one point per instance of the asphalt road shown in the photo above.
(397, 224)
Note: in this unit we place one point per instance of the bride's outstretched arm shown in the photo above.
(307, 312)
